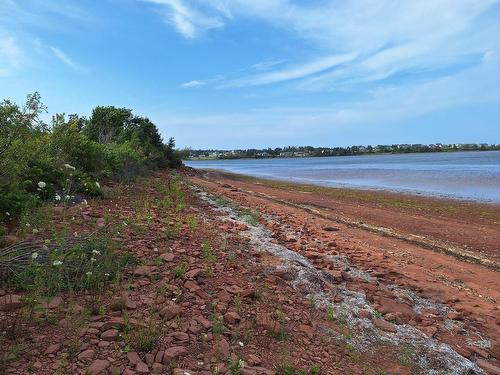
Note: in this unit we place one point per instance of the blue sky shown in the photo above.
(265, 73)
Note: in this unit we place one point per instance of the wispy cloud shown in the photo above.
(388, 38)
(193, 84)
(10, 55)
(189, 21)
(63, 57)
(292, 73)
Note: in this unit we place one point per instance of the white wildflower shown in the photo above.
(106, 274)
(85, 202)
(35, 231)
(57, 197)
(41, 184)
(97, 252)
(69, 166)
(28, 224)
(98, 185)
(7, 213)
(34, 255)
(241, 343)
(57, 263)
(241, 363)
(93, 259)
(89, 273)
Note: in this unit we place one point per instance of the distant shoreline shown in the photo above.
(496, 148)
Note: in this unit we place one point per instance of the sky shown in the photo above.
(233, 74)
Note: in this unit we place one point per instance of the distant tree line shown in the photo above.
(309, 151)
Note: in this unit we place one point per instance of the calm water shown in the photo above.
(462, 175)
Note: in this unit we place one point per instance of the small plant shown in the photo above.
(218, 324)
(315, 370)
(180, 270)
(281, 335)
(208, 253)
(236, 366)
(237, 302)
(330, 314)
(377, 314)
(192, 223)
(288, 369)
(143, 339)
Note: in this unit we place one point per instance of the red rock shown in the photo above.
(157, 368)
(54, 303)
(191, 286)
(86, 354)
(488, 367)
(110, 335)
(429, 330)
(159, 356)
(173, 353)
(180, 336)
(384, 325)
(203, 321)
(388, 305)
(193, 274)
(143, 271)
(266, 321)
(170, 311)
(142, 368)
(98, 366)
(337, 275)
(133, 358)
(307, 330)
(52, 349)
(232, 317)
(10, 302)
(222, 348)
(167, 257)
(253, 360)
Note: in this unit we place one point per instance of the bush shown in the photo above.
(53, 163)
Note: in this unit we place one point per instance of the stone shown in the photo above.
(167, 257)
(222, 348)
(489, 367)
(100, 222)
(307, 330)
(173, 353)
(98, 366)
(10, 302)
(266, 321)
(191, 286)
(54, 303)
(231, 317)
(52, 349)
(142, 368)
(157, 368)
(110, 335)
(253, 360)
(170, 311)
(384, 325)
(133, 358)
(143, 271)
(86, 354)
(180, 336)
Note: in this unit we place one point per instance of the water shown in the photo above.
(460, 175)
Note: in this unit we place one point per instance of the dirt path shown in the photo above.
(452, 300)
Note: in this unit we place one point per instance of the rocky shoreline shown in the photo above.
(228, 283)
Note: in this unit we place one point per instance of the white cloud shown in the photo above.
(65, 58)
(388, 37)
(188, 21)
(193, 84)
(10, 55)
(292, 73)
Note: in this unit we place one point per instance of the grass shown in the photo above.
(208, 253)
(330, 314)
(218, 327)
(180, 270)
(143, 339)
(85, 266)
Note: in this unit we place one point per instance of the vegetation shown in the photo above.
(65, 160)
